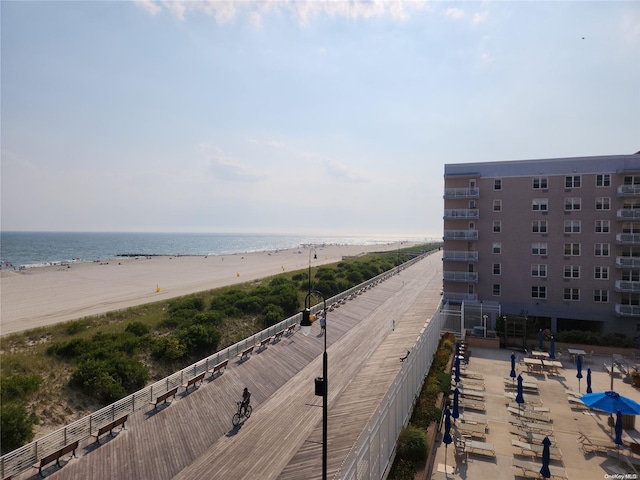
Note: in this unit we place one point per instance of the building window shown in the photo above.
(539, 270)
(630, 275)
(603, 203)
(538, 292)
(600, 295)
(603, 180)
(472, 204)
(572, 181)
(497, 205)
(497, 247)
(497, 226)
(497, 184)
(572, 204)
(497, 269)
(572, 226)
(572, 249)
(540, 204)
(572, 271)
(496, 290)
(539, 183)
(631, 180)
(630, 227)
(601, 250)
(538, 248)
(572, 294)
(539, 226)
(603, 226)
(601, 273)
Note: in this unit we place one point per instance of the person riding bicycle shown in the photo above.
(246, 398)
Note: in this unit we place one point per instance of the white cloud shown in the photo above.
(275, 144)
(340, 172)
(486, 58)
(480, 17)
(149, 5)
(177, 8)
(455, 13)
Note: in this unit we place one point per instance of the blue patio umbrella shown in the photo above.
(552, 348)
(546, 457)
(618, 430)
(512, 373)
(446, 439)
(579, 368)
(611, 402)
(456, 370)
(519, 396)
(456, 408)
(540, 346)
(589, 381)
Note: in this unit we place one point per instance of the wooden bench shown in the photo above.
(289, 330)
(219, 368)
(109, 427)
(263, 344)
(163, 398)
(278, 336)
(245, 353)
(192, 382)
(71, 448)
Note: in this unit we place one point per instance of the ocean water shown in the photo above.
(32, 249)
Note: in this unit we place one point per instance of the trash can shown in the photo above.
(628, 422)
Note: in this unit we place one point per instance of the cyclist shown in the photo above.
(246, 398)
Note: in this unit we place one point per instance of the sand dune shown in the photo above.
(43, 296)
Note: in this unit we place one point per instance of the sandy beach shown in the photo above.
(43, 296)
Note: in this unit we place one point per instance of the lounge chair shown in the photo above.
(576, 404)
(528, 415)
(533, 450)
(596, 445)
(532, 427)
(529, 407)
(471, 404)
(537, 402)
(471, 429)
(479, 448)
(470, 374)
(464, 392)
(532, 469)
(531, 437)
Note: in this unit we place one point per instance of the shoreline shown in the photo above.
(40, 296)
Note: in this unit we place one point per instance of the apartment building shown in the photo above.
(556, 238)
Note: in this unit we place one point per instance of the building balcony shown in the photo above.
(454, 297)
(629, 191)
(461, 193)
(628, 214)
(471, 234)
(627, 310)
(462, 256)
(628, 238)
(461, 214)
(627, 286)
(464, 277)
(628, 262)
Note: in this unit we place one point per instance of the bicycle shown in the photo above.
(242, 413)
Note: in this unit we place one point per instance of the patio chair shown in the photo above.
(472, 430)
(533, 450)
(528, 415)
(576, 404)
(471, 404)
(532, 427)
(529, 407)
(531, 437)
(532, 469)
(589, 444)
(479, 448)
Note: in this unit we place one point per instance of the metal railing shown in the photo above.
(372, 453)
(23, 458)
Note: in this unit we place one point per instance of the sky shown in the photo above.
(302, 117)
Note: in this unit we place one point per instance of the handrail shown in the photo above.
(23, 458)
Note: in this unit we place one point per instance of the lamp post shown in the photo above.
(305, 328)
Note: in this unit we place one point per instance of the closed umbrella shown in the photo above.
(456, 370)
(456, 408)
(579, 368)
(512, 373)
(618, 429)
(552, 349)
(540, 346)
(546, 457)
(446, 439)
(589, 380)
(519, 396)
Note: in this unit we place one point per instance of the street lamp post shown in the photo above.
(305, 328)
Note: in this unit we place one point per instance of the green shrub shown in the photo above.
(137, 328)
(76, 326)
(168, 349)
(444, 382)
(18, 387)
(412, 444)
(16, 426)
(273, 314)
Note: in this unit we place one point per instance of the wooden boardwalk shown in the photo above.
(192, 438)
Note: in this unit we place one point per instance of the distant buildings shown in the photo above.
(556, 238)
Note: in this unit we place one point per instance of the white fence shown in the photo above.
(23, 458)
(370, 457)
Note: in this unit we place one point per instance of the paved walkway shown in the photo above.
(494, 365)
(192, 438)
